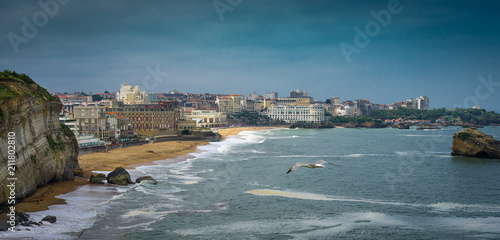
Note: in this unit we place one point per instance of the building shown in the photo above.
(247, 105)
(271, 95)
(345, 109)
(152, 97)
(185, 124)
(261, 104)
(229, 104)
(298, 94)
(119, 127)
(312, 113)
(129, 95)
(253, 96)
(150, 119)
(362, 107)
(207, 118)
(92, 121)
(335, 101)
(422, 103)
(298, 102)
(379, 106)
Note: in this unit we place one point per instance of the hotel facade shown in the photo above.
(151, 119)
(291, 114)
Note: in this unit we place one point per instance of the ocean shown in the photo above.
(388, 184)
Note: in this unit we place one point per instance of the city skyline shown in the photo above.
(445, 50)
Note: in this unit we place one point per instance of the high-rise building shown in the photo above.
(229, 104)
(422, 103)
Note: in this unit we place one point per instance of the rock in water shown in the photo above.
(119, 176)
(50, 219)
(97, 179)
(146, 178)
(473, 143)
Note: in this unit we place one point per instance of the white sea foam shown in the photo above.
(300, 228)
(447, 206)
(78, 214)
(321, 197)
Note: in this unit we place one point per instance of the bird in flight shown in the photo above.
(318, 164)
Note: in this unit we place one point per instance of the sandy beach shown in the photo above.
(129, 158)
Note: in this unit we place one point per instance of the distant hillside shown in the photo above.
(457, 116)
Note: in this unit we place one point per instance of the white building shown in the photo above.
(271, 95)
(129, 95)
(291, 114)
(207, 118)
(422, 103)
(229, 104)
(345, 110)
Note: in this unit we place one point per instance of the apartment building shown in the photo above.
(229, 104)
(92, 120)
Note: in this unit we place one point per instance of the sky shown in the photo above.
(385, 51)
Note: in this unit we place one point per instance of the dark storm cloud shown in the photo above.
(433, 48)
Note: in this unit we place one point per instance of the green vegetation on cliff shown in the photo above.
(469, 115)
(252, 119)
(13, 84)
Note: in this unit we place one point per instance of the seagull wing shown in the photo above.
(295, 166)
(323, 161)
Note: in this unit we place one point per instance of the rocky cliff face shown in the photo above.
(473, 143)
(45, 150)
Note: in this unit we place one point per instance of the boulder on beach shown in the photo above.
(146, 178)
(119, 176)
(97, 179)
(473, 143)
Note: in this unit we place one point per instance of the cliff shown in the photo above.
(45, 150)
(473, 143)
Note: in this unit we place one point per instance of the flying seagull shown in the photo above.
(318, 164)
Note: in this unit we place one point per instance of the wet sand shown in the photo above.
(129, 158)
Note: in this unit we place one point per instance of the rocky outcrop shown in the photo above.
(146, 178)
(50, 219)
(119, 176)
(312, 125)
(45, 150)
(473, 143)
(99, 179)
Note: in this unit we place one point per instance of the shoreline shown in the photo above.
(129, 158)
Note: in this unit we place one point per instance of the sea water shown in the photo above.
(388, 184)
